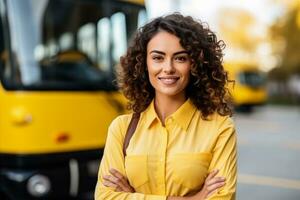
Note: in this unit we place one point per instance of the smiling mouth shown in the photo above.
(168, 80)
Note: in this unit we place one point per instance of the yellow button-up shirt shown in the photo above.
(170, 160)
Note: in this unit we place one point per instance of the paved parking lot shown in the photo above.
(269, 153)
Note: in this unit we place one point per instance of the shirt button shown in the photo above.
(169, 120)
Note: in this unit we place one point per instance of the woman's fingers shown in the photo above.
(212, 183)
(212, 189)
(215, 186)
(211, 174)
(118, 181)
(112, 185)
(118, 176)
(123, 181)
(215, 180)
(114, 182)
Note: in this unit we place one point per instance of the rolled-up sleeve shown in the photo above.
(225, 160)
(113, 158)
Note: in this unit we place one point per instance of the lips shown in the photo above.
(169, 80)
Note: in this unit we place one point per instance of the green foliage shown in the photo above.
(286, 39)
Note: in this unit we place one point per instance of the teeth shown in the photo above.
(168, 81)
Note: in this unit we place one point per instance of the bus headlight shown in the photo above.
(38, 185)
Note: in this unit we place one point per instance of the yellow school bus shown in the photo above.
(249, 88)
(57, 97)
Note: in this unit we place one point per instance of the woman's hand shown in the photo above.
(117, 181)
(211, 185)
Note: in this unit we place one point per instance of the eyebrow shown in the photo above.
(163, 53)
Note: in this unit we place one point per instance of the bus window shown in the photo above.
(142, 18)
(103, 44)
(52, 48)
(252, 79)
(66, 41)
(87, 37)
(3, 51)
(119, 40)
(87, 40)
(30, 72)
(39, 52)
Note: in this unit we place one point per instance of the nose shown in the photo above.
(168, 67)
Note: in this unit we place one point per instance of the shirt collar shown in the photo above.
(150, 115)
(182, 116)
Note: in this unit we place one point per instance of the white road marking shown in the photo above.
(268, 181)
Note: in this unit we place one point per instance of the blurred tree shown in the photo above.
(239, 29)
(286, 43)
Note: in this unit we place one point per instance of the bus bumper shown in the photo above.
(74, 177)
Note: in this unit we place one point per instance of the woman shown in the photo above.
(184, 146)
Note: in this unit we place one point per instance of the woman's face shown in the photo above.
(168, 65)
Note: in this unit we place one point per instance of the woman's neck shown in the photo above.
(166, 105)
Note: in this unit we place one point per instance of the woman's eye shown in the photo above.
(157, 58)
(181, 58)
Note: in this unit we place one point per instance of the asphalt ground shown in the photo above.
(269, 153)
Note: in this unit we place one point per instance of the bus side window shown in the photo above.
(87, 40)
(142, 18)
(103, 44)
(3, 53)
(66, 41)
(119, 36)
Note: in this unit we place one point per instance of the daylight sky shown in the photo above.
(264, 11)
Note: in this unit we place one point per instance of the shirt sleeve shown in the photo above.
(225, 160)
(113, 158)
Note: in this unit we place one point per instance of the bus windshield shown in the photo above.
(65, 44)
(252, 78)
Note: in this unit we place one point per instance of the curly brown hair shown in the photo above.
(207, 86)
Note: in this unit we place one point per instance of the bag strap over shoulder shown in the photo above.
(130, 131)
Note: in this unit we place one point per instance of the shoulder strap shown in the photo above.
(130, 131)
